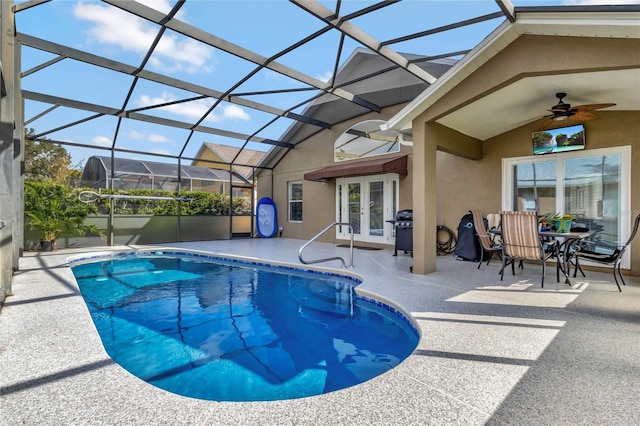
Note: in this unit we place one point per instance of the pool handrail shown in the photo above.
(344, 264)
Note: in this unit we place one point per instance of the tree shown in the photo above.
(45, 161)
(542, 140)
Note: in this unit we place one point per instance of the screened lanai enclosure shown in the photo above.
(160, 79)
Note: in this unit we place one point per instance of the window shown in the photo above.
(295, 201)
(366, 139)
(593, 186)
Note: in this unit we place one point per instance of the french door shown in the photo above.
(367, 203)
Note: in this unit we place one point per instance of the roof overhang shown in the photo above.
(606, 22)
(361, 168)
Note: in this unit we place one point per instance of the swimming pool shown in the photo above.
(227, 329)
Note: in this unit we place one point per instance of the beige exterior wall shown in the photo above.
(468, 172)
(319, 203)
(465, 183)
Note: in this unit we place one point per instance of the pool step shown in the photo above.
(322, 297)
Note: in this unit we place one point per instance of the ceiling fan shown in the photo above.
(563, 111)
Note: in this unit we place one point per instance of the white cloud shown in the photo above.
(102, 141)
(235, 112)
(194, 110)
(155, 138)
(134, 134)
(115, 27)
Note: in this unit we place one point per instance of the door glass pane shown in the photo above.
(592, 194)
(394, 210)
(340, 201)
(376, 209)
(535, 187)
(354, 206)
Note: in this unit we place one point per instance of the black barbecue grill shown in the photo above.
(403, 225)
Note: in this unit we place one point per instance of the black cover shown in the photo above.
(468, 245)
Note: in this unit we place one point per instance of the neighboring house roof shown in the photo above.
(243, 164)
(98, 170)
(509, 104)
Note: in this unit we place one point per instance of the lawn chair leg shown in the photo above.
(616, 273)
(504, 265)
(578, 267)
(615, 276)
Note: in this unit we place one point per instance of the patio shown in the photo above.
(491, 352)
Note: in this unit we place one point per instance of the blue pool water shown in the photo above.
(224, 330)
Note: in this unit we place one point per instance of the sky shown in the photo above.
(263, 26)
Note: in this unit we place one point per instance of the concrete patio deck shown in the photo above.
(492, 352)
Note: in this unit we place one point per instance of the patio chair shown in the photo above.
(487, 242)
(521, 241)
(606, 254)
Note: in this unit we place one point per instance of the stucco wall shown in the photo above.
(319, 204)
(465, 184)
(533, 55)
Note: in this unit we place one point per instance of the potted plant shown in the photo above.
(561, 223)
(547, 219)
(55, 210)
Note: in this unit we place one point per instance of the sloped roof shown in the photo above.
(370, 77)
(126, 166)
(527, 98)
(234, 155)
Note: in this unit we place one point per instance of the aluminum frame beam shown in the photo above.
(99, 61)
(190, 31)
(115, 112)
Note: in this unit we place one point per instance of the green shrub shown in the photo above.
(56, 210)
(196, 203)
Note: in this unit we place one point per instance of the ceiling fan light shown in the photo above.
(560, 117)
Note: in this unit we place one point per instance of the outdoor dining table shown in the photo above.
(568, 240)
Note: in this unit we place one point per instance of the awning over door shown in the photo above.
(350, 168)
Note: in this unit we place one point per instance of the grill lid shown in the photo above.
(404, 215)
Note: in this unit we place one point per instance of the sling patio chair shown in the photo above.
(487, 242)
(521, 241)
(604, 253)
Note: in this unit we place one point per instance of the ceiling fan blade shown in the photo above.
(584, 116)
(546, 123)
(592, 107)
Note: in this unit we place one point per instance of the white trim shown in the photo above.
(289, 200)
(625, 183)
(389, 202)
